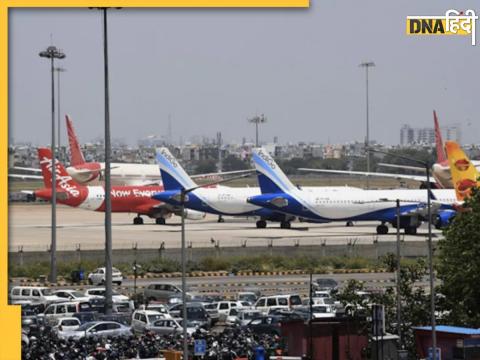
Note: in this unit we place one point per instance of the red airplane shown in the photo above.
(131, 199)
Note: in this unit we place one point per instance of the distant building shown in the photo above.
(426, 136)
(407, 135)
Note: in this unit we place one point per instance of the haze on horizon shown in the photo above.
(212, 69)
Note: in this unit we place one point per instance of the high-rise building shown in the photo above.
(407, 135)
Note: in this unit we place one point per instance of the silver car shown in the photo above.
(98, 328)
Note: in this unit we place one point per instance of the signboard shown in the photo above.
(378, 319)
(200, 347)
(438, 354)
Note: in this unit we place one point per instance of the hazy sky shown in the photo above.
(211, 69)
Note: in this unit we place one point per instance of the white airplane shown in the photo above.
(121, 173)
(219, 200)
(347, 204)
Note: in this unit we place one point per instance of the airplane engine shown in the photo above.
(194, 215)
(444, 218)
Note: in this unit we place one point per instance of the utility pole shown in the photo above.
(367, 65)
(60, 154)
(53, 53)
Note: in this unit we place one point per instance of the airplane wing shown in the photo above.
(403, 167)
(364, 173)
(220, 174)
(25, 176)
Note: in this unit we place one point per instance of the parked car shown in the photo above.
(169, 326)
(97, 277)
(270, 325)
(211, 309)
(66, 309)
(33, 294)
(70, 295)
(100, 293)
(161, 308)
(247, 315)
(326, 284)
(165, 293)
(247, 296)
(66, 324)
(223, 307)
(231, 318)
(142, 318)
(98, 328)
(266, 303)
(196, 314)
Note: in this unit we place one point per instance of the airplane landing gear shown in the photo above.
(261, 224)
(220, 219)
(160, 221)
(349, 223)
(138, 220)
(285, 225)
(382, 229)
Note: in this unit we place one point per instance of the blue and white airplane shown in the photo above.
(346, 204)
(219, 200)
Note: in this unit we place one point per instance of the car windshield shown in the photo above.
(250, 315)
(196, 313)
(327, 282)
(69, 322)
(328, 301)
(46, 292)
(154, 317)
(295, 300)
(115, 270)
(77, 294)
(247, 297)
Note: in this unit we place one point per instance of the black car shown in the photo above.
(270, 325)
(326, 284)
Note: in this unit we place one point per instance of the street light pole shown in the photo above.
(183, 198)
(59, 70)
(427, 166)
(367, 65)
(257, 120)
(53, 53)
(399, 296)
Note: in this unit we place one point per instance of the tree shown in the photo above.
(233, 163)
(206, 166)
(459, 266)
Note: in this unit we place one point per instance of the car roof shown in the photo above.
(148, 312)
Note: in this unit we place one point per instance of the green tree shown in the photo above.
(459, 265)
(233, 163)
(206, 166)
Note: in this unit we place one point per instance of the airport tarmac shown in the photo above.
(29, 228)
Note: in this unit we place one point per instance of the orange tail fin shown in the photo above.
(75, 151)
(464, 174)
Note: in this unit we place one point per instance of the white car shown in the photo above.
(33, 294)
(322, 311)
(143, 319)
(98, 328)
(223, 307)
(70, 295)
(97, 277)
(169, 326)
(100, 293)
(66, 324)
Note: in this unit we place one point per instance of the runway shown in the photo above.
(29, 229)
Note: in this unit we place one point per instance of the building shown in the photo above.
(407, 135)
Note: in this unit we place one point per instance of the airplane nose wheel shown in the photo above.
(285, 225)
(382, 229)
(138, 220)
(221, 219)
(261, 224)
(160, 221)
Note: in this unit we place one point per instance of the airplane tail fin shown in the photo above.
(173, 175)
(438, 140)
(63, 180)
(270, 177)
(75, 150)
(464, 174)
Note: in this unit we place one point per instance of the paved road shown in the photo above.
(29, 227)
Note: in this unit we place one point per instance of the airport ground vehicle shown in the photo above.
(267, 303)
(97, 276)
(33, 294)
(141, 319)
(162, 292)
(98, 329)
